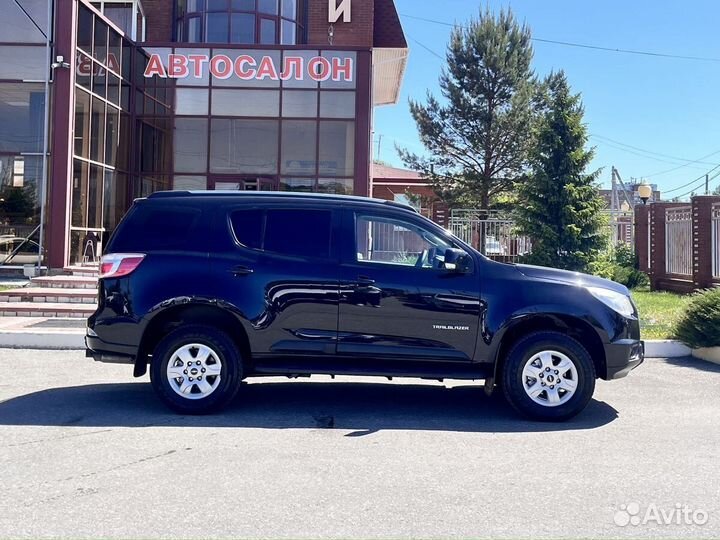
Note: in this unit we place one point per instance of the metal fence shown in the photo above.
(622, 227)
(490, 232)
(678, 241)
(716, 240)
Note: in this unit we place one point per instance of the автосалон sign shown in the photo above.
(246, 67)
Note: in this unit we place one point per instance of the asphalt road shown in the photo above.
(86, 451)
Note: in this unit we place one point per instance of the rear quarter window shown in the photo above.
(292, 232)
(152, 227)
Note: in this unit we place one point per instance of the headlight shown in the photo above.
(613, 300)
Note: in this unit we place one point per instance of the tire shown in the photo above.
(538, 363)
(195, 353)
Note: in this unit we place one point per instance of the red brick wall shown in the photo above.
(358, 33)
(159, 19)
(702, 246)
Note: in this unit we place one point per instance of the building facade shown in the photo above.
(112, 100)
(409, 187)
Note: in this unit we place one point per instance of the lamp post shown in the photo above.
(645, 193)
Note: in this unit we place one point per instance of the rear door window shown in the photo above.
(248, 226)
(291, 232)
(301, 233)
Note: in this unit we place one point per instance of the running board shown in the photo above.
(423, 370)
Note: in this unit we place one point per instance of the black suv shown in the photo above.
(208, 288)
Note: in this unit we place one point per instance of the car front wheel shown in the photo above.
(196, 370)
(549, 376)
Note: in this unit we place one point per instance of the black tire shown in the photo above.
(524, 350)
(230, 369)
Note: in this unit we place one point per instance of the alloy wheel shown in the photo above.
(550, 378)
(193, 371)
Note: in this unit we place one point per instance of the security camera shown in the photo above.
(59, 62)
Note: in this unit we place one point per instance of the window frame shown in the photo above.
(335, 217)
(350, 250)
(183, 17)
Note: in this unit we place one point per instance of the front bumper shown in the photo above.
(622, 356)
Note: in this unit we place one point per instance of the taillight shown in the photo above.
(118, 265)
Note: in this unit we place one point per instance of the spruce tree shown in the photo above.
(560, 206)
(476, 137)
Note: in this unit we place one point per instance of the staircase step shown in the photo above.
(49, 295)
(46, 309)
(65, 282)
(83, 271)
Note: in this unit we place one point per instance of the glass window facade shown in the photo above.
(23, 101)
(245, 22)
(101, 186)
(289, 131)
(205, 117)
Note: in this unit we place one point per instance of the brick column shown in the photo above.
(63, 110)
(657, 244)
(642, 213)
(702, 240)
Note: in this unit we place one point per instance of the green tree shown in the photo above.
(477, 138)
(716, 191)
(560, 206)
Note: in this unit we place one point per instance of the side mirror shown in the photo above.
(457, 261)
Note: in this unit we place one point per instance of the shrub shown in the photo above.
(699, 325)
(618, 264)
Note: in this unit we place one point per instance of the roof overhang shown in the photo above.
(389, 66)
(390, 53)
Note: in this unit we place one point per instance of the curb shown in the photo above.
(666, 348)
(55, 341)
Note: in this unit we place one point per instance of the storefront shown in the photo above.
(222, 94)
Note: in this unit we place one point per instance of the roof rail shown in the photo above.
(277, 194)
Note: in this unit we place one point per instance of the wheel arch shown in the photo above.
(181, 315)
(574, 327)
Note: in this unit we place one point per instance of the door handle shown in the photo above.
(239, 271)
(365, 281)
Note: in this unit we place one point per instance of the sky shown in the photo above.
(653, 118)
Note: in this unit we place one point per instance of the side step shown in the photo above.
(372, 368)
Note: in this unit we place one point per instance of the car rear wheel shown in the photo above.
(549, 376)
(196, 370)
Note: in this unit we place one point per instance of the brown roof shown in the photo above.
(388, 31)
(394, 173)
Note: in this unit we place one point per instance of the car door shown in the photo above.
(280, 270)
(397, 298)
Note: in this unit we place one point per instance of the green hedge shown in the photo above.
(699, 325)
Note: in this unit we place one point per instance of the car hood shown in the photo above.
(570, 278)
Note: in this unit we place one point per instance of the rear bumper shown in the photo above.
(622, 356)
(110, 353)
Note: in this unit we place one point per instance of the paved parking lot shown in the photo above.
(87, 451)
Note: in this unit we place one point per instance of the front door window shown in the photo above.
(398, 243)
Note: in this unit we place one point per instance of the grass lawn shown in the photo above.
(658, 312)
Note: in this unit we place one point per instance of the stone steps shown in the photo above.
(65, 282)
(46, 309)
(49, 295)
(82, 271)
(73, 294)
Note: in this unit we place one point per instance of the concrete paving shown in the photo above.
(86, 451)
